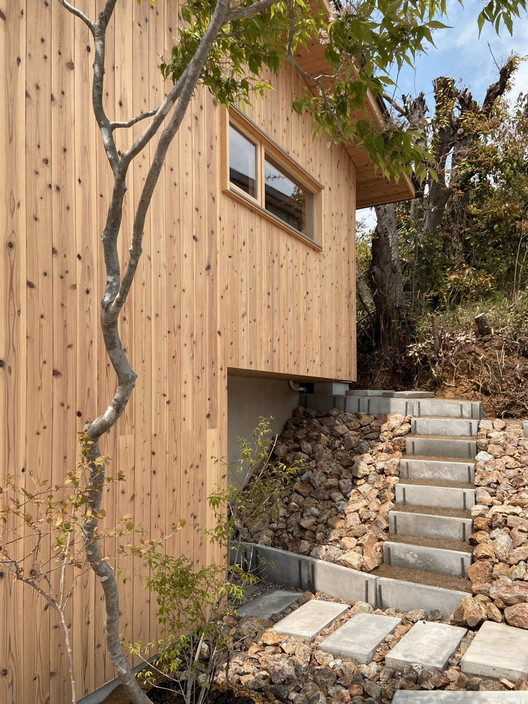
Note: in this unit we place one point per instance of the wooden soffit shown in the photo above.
(372, 188)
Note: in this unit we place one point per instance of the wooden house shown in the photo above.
(247, 281)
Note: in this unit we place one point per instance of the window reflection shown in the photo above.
(242, 162)
(286, 199)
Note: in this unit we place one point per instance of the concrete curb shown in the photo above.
(308, 573)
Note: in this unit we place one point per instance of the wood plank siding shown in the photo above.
(219, 287)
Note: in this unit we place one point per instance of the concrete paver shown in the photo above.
(497, 651)
(359, 637)
(310, 619)
(269, 604)
(428, 644)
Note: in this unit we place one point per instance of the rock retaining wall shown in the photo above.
(338, 509)
(499, 573)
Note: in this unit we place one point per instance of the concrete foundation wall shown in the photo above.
(250, 398)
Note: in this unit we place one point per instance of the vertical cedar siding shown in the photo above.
(217, 288)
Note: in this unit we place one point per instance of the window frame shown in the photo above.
(265, 146)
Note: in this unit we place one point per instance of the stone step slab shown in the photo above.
(406, 596)
(310, 619)
(427, 644)
(427, 446)
(497, 651)
(384, 393)
(430, 526)
(442, 470)
(359, 637)
(269, 604)
(422, 557)
(378, 405)
(445, 426)
(458, 697)
(404, 404)
(332, 387)
(441, 496)
(449, 408)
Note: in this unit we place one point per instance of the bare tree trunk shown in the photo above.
(386, 280)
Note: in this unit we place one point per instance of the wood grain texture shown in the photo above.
(218, 288)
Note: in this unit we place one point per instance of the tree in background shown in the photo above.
(442, 245)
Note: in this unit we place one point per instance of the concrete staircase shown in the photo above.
(431, 521)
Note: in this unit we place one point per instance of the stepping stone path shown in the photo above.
(360, 637)
(269, 604)
(310, 619)
(497, 651)
(428, 644)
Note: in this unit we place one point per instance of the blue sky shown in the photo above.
(465, 56)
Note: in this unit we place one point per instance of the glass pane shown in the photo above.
(288, 200)
(242, 162)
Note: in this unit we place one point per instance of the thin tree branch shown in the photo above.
(399, 108)
(244, 13)
(190, 80)
(160, 114)
(98, 85)
(78, 13)
(130, 123)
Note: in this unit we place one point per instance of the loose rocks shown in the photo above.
(338, 510)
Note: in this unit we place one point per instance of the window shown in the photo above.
(259, 173)
(242, 162)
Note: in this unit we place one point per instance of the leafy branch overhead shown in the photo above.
(363, 42)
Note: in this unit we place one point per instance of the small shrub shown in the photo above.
(193, 605)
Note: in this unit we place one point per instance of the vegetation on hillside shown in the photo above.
(458, 251)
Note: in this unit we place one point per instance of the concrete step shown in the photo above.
(445, 426)
(442, 543)
(497, 651)
(360, 636)
(443, 470)
(430, 525)
(310, 619)
(427, 559)
(379, 405)
(402, 696)
(448, 408)
(380, 588)
(427, 644)
(404, 595)
(432, 446)
(390, 394)
(425, 495)
(331, 387)
(334, 395)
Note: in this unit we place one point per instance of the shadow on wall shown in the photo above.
(251, 398)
